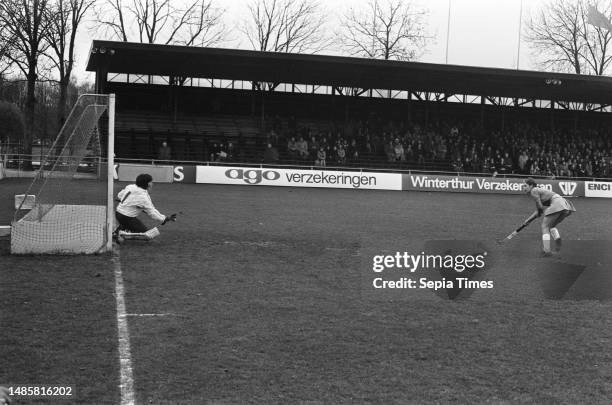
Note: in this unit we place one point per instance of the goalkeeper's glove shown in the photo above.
(169, 218)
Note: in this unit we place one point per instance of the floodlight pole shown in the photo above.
(110, 173)
(448, 31)
(518, 50)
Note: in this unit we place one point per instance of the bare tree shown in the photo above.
(597, 39)
(391, 29)
(11, 121)
(183, 22)
(67, 16)
(563, 39)
(285, 26)
(27, 22)
(6, 44)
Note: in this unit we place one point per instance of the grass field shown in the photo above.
(261, 295)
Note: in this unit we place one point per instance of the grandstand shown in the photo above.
(227, 105)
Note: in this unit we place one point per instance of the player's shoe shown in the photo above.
(547, 254)
(117, 237)
(558, 244)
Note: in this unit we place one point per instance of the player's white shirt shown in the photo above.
(137, 201)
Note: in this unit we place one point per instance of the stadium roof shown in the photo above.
(339, 71)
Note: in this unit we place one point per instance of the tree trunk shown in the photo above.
(63, 96)
(28, 135)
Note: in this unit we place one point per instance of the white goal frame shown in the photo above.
(48, 229)
(110, 153)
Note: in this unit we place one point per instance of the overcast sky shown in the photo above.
(482, 32)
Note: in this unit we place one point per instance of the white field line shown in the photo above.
(163, 314)
(125, 359)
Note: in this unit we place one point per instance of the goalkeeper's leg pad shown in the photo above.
(152, 233)
(148, 235)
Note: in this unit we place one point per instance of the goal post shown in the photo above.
(110, 173)
(73, 188)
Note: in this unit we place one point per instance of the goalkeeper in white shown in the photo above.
(133, 200)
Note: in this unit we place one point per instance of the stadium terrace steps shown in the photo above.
(140, 134)
(191, 137)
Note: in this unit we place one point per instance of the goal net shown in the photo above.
(72, 190)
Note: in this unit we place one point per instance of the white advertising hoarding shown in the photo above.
(598, 189)
(298, 178)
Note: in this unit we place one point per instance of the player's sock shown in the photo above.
(546, 243)
(554, 232)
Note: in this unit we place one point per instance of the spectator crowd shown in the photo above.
(460, 147)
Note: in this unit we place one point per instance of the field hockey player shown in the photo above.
(554, 208)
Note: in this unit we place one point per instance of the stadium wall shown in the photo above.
(129, 172)
(160, 174)
(321, 178)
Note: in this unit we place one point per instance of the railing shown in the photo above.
(348, 169)
(28, 163)
(19, 162)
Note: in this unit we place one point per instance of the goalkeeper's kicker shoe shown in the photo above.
(117, 237)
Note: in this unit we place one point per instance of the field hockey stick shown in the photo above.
(176, 215)
(517, 230)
